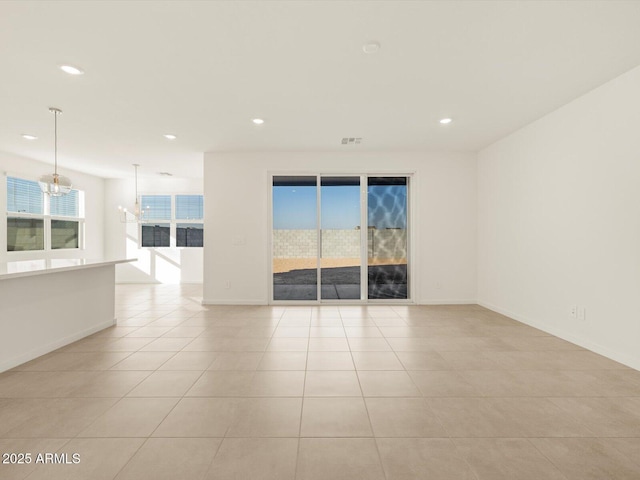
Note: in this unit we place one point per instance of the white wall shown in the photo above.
(444, 218)
(154, 265)
(559, 221)
(16, 166)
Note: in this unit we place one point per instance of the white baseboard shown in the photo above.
(133, 282)
(569, 337)
(38, 352)
(234, 302)
(345, 303)
(447, 301)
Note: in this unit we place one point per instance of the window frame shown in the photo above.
(46, 217)
(173, 222)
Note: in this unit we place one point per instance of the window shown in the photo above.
(156, 235)
(187, 209)
(66, 206)
(36, 221)
(189, 235)
(25, 234)
(64, 234)
(156, 207)
(24, 196)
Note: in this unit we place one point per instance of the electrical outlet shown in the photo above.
(582, 313)
(438, 285)
(573, 311)
(227, 284)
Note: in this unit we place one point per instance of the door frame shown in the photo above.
(411, 236)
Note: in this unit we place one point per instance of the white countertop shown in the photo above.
(27, 268)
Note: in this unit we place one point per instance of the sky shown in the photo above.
(294, 208)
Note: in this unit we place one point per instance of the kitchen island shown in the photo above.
(46, 304)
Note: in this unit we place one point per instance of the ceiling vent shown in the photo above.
(351, 140)
(166, 174)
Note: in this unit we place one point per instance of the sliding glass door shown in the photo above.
(295, 238)
(340, 238)
(387, 237)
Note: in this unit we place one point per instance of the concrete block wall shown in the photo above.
(385, 243)
(295, 243)
(340, 243)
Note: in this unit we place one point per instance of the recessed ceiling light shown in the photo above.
(29, 137)
(446, 121)
(371, 47)
(169, 136)
(258, 121)
(71, 70)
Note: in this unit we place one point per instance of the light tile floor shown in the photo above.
(178, 390)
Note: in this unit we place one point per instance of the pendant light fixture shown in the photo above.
(55, 185)
(137, 215)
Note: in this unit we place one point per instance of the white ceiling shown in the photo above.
(203, 70)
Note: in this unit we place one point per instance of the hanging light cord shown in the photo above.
(55, 144)
(137, 211)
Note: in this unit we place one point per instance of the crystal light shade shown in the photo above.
(135, 216)
(55, 185)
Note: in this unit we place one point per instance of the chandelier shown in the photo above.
(137, 215)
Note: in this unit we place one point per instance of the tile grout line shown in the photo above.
(132, 456)
(545, 456)
(304, 386)
(373, 433)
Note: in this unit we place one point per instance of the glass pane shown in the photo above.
(25, 234)
(64, 234)
(65, 206)
(340, 238)
(189, 207)
(295, 238)
(24, 196)
(156, 235)
(189, 235)
(387, 237)
(156, 207)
